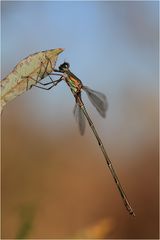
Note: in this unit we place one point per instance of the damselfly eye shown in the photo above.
(64, 66)
(67, 65)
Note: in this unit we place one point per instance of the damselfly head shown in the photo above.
(64, 66)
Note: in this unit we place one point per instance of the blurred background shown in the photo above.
(55, 183)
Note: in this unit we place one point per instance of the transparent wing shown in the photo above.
(98, 100)
(80, 118)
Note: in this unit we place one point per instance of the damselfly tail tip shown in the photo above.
(129, 209)
(131, 212)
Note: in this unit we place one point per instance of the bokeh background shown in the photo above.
(55, 183)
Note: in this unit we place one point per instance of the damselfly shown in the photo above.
(100, 103)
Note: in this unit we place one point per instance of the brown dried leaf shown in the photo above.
(26, 72)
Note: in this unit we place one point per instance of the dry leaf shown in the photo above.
(34, 67)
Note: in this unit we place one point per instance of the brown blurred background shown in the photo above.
(55, 183)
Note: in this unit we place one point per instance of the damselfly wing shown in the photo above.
(80, 118)
(98, 100)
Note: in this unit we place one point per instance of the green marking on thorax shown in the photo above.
(72, 85)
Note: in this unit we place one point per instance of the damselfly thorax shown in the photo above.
(72, 81)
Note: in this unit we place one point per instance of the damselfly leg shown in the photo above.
(54, 83)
